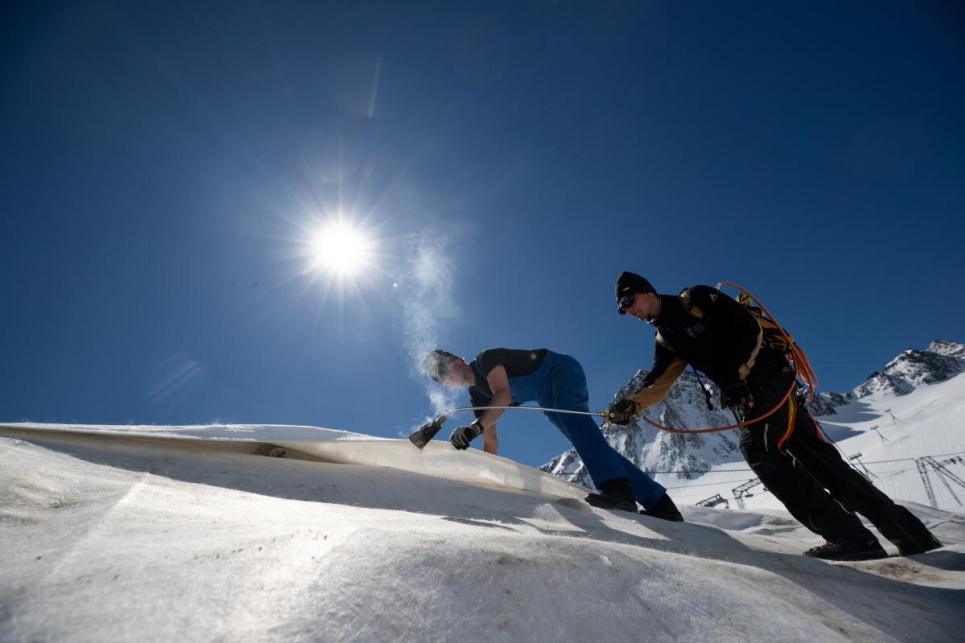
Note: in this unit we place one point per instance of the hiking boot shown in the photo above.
(614, 494)
(664, 509)
(911, 536)
(848, 550)
(914, 550)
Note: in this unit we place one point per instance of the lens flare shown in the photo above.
(342, 249)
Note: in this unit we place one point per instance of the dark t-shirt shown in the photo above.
(518, 363)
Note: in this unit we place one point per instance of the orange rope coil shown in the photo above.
(796, 358)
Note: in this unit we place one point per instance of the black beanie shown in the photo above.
(629, 282)
(436, 364)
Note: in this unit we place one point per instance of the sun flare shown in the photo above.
(341, 249)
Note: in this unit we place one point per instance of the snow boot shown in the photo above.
(921, 547)
(909, 534)
(614, 494)
(664, 509)
(848, 550)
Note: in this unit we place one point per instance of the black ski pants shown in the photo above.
(808, 474)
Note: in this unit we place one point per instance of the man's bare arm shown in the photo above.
(502, 396)
(490, 441)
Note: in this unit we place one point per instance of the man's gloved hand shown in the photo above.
(462, 435)
(622, 412)
(736, 396)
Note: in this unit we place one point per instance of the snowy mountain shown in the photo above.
(912, 368)
(827, 403)
(674, 457)
(939, 362)
(193, 534)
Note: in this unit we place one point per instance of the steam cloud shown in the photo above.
(429, 309)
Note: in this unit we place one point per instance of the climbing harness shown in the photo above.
(795, 357)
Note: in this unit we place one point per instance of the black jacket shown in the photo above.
(707, 329)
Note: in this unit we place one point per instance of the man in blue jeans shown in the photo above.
(508, 377)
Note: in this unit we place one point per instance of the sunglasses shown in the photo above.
(625, 303)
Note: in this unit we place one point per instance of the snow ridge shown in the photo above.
(941, 361)
(912, 368)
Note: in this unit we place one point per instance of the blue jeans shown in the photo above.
(566, 389)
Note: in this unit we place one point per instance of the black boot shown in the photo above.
(848, 550)
(614, 494)
(911, 535)
(920, 545)
(664, 509)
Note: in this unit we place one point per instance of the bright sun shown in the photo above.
(341, 249)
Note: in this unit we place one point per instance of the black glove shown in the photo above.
(622, 412)
(736, 396)
(463, 435)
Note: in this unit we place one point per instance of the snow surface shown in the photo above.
(187, 533)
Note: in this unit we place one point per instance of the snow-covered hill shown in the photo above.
(189, 534)
(913, 368)
(910, 370)
(913, 408)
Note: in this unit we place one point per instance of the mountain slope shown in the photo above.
(111, 538)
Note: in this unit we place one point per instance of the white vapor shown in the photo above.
(430, 309)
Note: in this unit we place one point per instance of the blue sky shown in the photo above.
(164, 168)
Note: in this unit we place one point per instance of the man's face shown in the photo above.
(642, 306)
(455, 377)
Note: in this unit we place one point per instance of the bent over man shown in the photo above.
(508, 377)
(719, 336)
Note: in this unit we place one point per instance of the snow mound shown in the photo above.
(437, 459)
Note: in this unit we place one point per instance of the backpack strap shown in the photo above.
(773, 337)
(689, 305)
(663, 342)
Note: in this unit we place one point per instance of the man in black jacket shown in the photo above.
(715, 334)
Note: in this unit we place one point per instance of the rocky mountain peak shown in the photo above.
(951, 349)
(941, 361)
